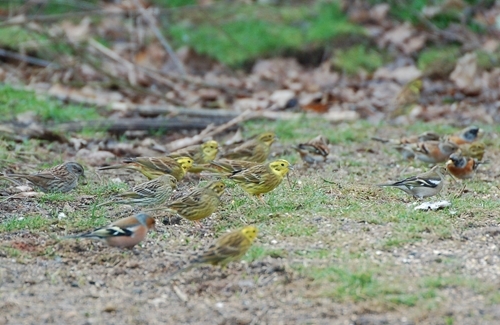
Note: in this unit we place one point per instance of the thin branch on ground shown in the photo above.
(27, 59)
(152, 24)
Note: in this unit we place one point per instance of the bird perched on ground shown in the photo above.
(426, 136)
(422, 185)
(200, 153)
(199, 203)
(256, 149)
(432, 152)
(467, 135)
(124, 233)
(407, 98)
(228, 166)
(151, 193)
(462, 167)
(261, 179)
(229, 247)
(153, 167)
(474, 150)
(313, 151)
(401, 145)
(61, 178)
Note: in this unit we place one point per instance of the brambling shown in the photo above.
(61, 178)
(422, 185)
(467, 135)
(256, 149)
(229, 247)
(462, 167)
(432, 152)
(426, 136)
(123, 233)
(474, 150)
(313, 151)
(154, 167)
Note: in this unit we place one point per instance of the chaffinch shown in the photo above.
(313, 151)
(467, 135)
(462, 167)
(422, 185)
(432, 152)
(124, 233)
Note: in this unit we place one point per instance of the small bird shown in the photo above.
(199, 203)
(474, 150)
(229, 247)
(313, 151)
(61, 178)
(407, 98)
(200, 153)
(124, 233)
(256, 149)
(423, 185)
(467, 135)
(426, 136)
(433, 152)
(225, 166)
(261, 179)
(462, 167)
(150, 193)
(153, 167)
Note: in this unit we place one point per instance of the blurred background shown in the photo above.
(371, 59)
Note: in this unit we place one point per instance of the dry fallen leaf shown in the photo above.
(465, 75)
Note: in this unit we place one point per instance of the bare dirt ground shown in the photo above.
(45, 280)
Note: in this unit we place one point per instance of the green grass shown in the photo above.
(17, 101)
(332, 233)
(33, 223)
(358, 58)
(234, 35)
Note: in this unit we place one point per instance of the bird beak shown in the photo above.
(84, 181)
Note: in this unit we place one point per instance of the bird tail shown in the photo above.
(181, 270)
(380, 139)
(112, 167)
(105, 203)
(387, 184)
(86, 235)
(7, 178)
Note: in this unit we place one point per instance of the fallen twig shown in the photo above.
(152, 24)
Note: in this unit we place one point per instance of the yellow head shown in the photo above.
(476, 147)
(415, 86)
(267, 138)
(185, 163)
(210, 150)
(250, 232)
(280, 167)
(217, 186)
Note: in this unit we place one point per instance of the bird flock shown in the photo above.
(245, 164)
